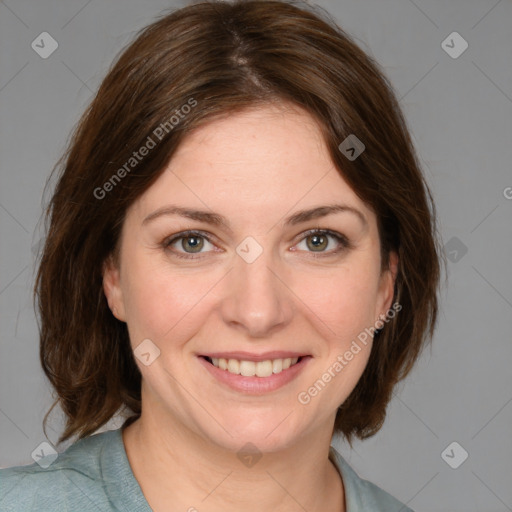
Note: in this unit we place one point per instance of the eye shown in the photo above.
(318, 240)
(187, 243)
(190, 244)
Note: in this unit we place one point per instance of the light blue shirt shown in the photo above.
(94, 474)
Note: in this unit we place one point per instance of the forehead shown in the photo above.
(267, 159)
(275, 139)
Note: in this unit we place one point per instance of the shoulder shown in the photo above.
(73, 481)
(361, 494)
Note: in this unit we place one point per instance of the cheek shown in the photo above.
(344, 300)
(159, 302)
(344, 312)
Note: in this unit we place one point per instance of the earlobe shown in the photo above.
(393, 265)
(112, 288)
(388, 283)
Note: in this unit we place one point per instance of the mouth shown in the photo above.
(254, 368)
(254, 374)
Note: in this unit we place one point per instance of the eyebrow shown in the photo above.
(220, 221)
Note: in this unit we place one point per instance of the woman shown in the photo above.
(241, 253)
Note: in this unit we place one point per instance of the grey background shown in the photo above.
(460, 113)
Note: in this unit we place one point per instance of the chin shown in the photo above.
(268, 433)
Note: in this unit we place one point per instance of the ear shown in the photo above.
(112, 288)
(387, 285)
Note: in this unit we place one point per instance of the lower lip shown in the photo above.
(255, 385)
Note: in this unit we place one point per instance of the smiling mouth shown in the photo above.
(252, 368)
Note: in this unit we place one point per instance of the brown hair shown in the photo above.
(224, 57)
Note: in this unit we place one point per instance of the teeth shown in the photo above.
(277, 365)
(250, 368)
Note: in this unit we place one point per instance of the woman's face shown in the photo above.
(251, 284)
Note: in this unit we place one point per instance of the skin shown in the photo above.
(254, 168)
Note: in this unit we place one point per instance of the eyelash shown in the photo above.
(341, 239)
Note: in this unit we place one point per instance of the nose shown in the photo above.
(257, 299)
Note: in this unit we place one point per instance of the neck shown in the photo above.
(175, 465)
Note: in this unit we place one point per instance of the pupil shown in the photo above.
(318, 241)
(193, 242)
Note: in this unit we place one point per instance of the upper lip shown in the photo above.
(248, 356)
